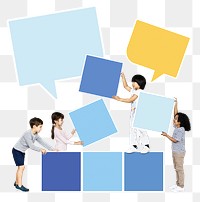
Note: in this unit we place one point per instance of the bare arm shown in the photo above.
(169, 137)
(126, 100)
(175, 107)
(79, 143)
(128, 88)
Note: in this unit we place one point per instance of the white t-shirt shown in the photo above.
(135, 92)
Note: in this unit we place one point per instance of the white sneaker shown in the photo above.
(131, 150)
(173, 186)
(178, 189)
(145, 150)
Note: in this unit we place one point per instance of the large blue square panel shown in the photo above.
(143, 172)
(61, 171)
(100, 76)
(102, 171)
(153, 112)
(93, 122)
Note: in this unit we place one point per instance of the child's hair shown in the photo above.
(140, 80)
(55, 117)
(184, 120)
(35, 121)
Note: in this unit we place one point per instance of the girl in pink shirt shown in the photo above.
(60, 136)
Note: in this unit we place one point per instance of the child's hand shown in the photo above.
(79, 143)
(164, 134)
(122, 75)
(116, 98)
(56, 150)
(73, 131)
(43, 151)
(175, 100)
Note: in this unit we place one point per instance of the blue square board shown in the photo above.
(93, 122)
(153, 112)
(143, 172)
(102, 171)
(61, 171)
(100, 77)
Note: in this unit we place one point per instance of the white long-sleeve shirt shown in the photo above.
(62, 139)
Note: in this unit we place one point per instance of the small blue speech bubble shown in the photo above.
(53, 47)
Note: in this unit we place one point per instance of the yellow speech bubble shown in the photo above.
(157, 49)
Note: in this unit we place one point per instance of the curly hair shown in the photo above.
(184, 120)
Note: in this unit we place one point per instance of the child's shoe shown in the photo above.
(173, 187)
(15, 184)
(131, 150)
(22, 188)
(145, 150)
(178, 189)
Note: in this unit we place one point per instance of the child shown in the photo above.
(57, 133)
(136, 135)
(24, 143)
(181, 124)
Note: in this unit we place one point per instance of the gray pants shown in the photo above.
(178, 160)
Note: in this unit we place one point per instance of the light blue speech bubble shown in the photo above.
(153, 112)
(52, 47)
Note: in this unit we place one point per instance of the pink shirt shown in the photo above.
(62, 139)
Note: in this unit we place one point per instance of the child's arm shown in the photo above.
(75, 143)
(127, 100)
(71, 135)
(79, 143)
(44, 144)
(43, 151)
(175, 106)
(128, 88)
(30, 144)
(64, 140)
(169, 137)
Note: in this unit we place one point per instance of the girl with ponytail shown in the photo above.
(61, 137)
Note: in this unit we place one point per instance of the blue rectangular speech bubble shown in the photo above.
(100, 76)
(93, 122)
(52, 47)
(153, 112)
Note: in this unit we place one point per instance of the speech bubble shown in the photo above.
(53, 47)
(157, 49)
